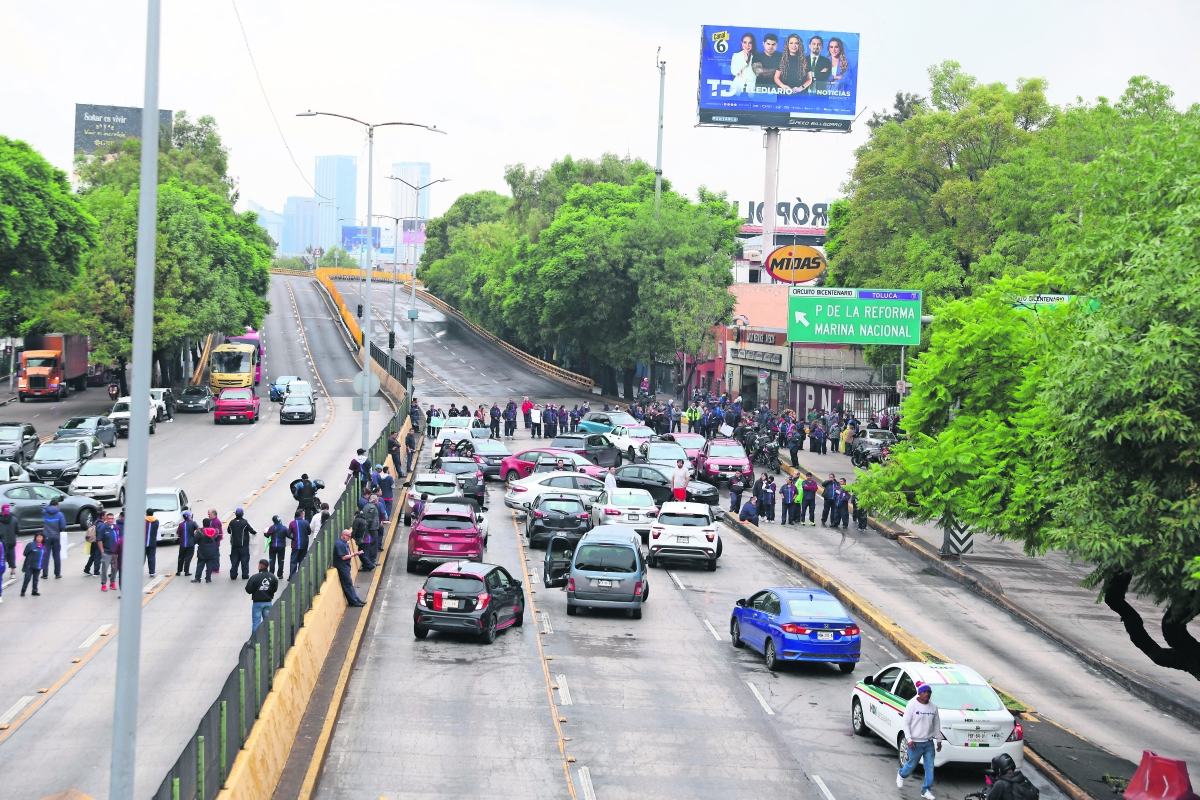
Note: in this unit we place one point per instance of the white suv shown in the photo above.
(685, 531)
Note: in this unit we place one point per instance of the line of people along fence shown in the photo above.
(202, 768)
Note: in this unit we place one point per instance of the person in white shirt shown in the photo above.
(679, 481)
(922, 726)
(741, 66)
(610, 479)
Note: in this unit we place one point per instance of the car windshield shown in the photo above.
(639, 432)
(565, 506)
(458, 585)
(235, 394)
(101, 467)
(75, 423)
(457, 422)
(693, 440)
(568, 442)
(231, 363)
(296, 401)
(194, 391)
(121, 408)
(606, 558)
(459, 467)
(684, 520)
(446, 522)
(489, 447)
(727, 451)
(817, 609)
(162, 502)
(57, 452)
(666, 451)
(432, 488)
(631, 500)
(621, 418)
(286, 379)
(10, 434)
(966, 697)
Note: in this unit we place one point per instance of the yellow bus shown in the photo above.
(232, 365)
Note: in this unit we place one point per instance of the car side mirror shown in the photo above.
(741, 602)
(869, 680)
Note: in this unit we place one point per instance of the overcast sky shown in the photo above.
(531, 80)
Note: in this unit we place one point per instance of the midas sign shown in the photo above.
(795, 263)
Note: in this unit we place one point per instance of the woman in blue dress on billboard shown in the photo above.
(840, 73)
(793, 76)
(741, 68)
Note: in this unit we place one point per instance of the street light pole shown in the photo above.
(662, 88)
(395, 251)
(129, 648)
(366, 343)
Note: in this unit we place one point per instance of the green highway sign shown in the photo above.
(823, 315)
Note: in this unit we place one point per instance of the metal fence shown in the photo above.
(202, 768)
(392, 366)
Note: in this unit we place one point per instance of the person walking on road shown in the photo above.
(169, 403)
(151, 541)
(240, 532)
(89, 539)
(106, 543)
(342, 553)
(261, 587)
(679, 481)
(922, 725)
(387, 489)
(185, 532)
(299, 532)
(8, 534)
(36, 557)
(808, 499)
(208, 553)
(410, 450)
(393, 452)
(53, 524)
(277, 539)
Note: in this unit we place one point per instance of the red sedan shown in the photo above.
(520, 465)
(235, 404)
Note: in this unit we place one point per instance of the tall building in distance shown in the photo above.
(270, 221)
(299, 226)
(336, 179)
(406, 204)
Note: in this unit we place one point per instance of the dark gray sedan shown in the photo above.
(28, 500)
(196, 398)
(102, 428)
(298, 408)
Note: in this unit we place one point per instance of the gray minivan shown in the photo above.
(606, 570)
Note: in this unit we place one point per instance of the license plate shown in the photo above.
(604, 584)
(634, 517)
(825, 636)
(683, 539)
(445, 547)
(451, 603)
(976, 736)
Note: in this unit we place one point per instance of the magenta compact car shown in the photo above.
(236, 404)
(721, 460)
(520, 465)
(444, 535)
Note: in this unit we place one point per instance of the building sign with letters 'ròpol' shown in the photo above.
(822, 315)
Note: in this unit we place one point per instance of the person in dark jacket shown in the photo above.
(361, 533)
(841, 503)
(277, 539)
(186, 531)
(299, 532)
(169, 403)
(342, 553)
(306, 497)
(808, 498)
(1009, 778)
(387, 489)
(393, 452)
(736, 487)
(151, 541)
(410, 450)
(749, 512)
(53, 524)
(261, 587)
(9, 528)
(106, 543)
(829, 491)
(208, 553)
(494, 420)
(36, 557)
(239, 544)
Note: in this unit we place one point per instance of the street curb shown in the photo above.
(990, 589)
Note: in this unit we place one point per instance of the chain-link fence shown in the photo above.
(202, 768)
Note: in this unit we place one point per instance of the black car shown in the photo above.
(465, 597)
(298, 408)
(102, 428)
(57, 462)
(489, 454)
(468, 473)
(657, 481)
(18, 441)
(28, 500)
(554, 514)
(663, 452)
(196, 398)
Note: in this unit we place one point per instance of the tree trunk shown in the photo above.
(630, 395)
(609, 387)
(121, 370)
(1184, 651)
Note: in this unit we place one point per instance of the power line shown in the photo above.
(267, 99)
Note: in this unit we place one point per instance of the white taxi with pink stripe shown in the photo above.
(975, 723)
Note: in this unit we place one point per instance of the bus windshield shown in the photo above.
(226, 363)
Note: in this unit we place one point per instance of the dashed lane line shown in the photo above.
(564, 691)
(712, 630)
(824, 789)
(91, 640)
(585, 780)
(678, 582)
(761, 700)
(15, 708)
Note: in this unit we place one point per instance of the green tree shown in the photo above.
(538, 193)
(44, 232)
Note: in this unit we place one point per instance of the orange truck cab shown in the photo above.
(52, 365)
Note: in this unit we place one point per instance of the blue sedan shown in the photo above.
(279, 386)
(790, 624)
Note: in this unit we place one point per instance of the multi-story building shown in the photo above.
(337, 189)
(299, 226)
(412, 209)
(271, 222)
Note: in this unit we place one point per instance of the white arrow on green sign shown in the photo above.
(821, 315)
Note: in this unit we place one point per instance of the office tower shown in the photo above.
(299, 225)
(337, 190)
(406, 204)
(270, 221)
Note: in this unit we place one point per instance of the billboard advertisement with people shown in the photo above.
(777, 77)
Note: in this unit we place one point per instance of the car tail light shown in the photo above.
(421, 597)
(437, 601)
(656, 531)
(1017, 733)
(570, 584)
(710, 534)
(792, 627)
(652, 512)
(612, 512)
(637, 588)
(478, 474)
(581, 516)
(851, 631)
(520, 488)
(481, 602)
(538, 514)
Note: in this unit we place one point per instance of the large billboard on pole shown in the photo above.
(99, 126)
(778, 77)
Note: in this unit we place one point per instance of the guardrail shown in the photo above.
(203, 766)
(324, 277)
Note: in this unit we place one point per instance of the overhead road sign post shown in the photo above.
(822, 315)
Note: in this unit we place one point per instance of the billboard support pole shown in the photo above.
(662, 88)
(771, 186)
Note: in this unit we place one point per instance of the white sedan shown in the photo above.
(168, 504)
(102, 479)
(633, 507)
(524, 491)
(684, 531)
(628, 438)
(431, 485)
(976, 725)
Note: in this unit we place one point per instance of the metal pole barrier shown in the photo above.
(366, 395)
(124, 746)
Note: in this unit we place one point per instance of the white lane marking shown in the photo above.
(10, 581)
(240, 435)
(203, 460)
(91, 640)
(16, 707)
(547, 627)
(585, 780)
(761, 700)
(180, 475)
(460, 359)
(223, 447)
(152, 585)
(712, 630)
(564, 691)
(678, 582)
(824, 789)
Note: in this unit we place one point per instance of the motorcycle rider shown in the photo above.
(1009, 783)
(306, 495)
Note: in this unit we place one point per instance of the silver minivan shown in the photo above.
(607, 570)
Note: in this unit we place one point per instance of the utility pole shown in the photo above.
(129, 646)
(771, 181)
(662, 88)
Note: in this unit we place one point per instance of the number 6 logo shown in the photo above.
(721, 46)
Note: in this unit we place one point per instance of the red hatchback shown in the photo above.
(722, 459)
(444, 535)
(520, 465)
(233, 404)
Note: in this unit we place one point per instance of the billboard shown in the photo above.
(413, 231)
(795, 263)
(354, 238)
(98, 126)
(854, 316)
(777, 77)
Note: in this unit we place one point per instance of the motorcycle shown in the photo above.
(114, 391)
(862, 458)
(310, 510)
(765, 452)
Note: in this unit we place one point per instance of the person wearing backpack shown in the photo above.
(89, 537)
(1009, 783)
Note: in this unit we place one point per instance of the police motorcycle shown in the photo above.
(764, 451)
(306, 496)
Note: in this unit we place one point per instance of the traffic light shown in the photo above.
(408, 365)
(391, 340)
(360, 310)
